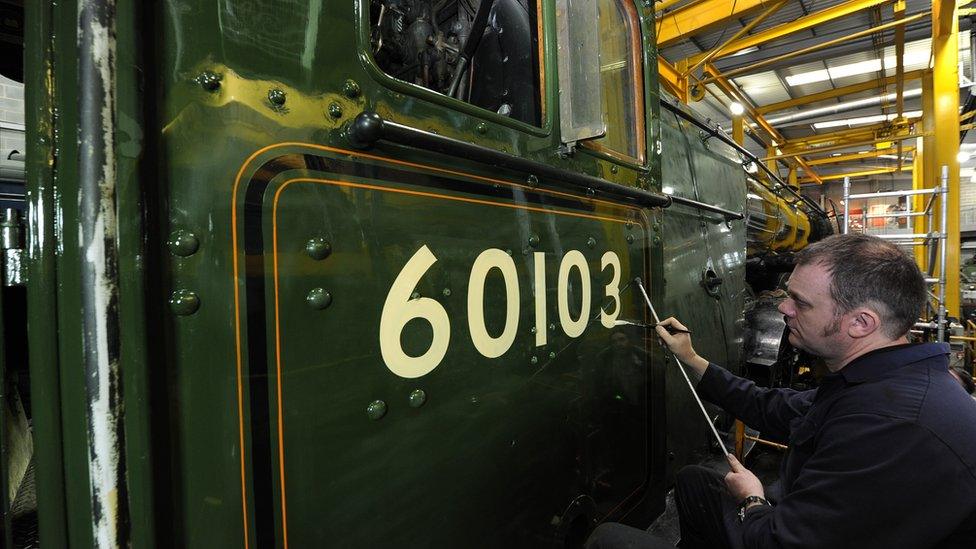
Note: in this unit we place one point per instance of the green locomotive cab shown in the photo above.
(365, 272)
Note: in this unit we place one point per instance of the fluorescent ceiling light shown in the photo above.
(911, 60)
(744, 51)
(736, 108)
(862, 120)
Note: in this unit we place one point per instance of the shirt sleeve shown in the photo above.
(871, 482)
(769, 410)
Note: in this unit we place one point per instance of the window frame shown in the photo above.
(635, 34)
(393, 84)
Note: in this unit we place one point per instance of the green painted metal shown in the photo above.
(42, 277)
(257, 254)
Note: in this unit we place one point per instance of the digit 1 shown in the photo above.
(540, 298)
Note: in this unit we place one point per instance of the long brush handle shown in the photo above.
(681, 367)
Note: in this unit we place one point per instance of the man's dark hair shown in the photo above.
(867, 271)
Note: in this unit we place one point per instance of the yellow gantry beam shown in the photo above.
(846, 145)
(803, 23)
(945, 89)
(672, 80)
(696, 17)
(861, 173)
(858, 156)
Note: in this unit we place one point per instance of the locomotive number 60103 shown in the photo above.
(399, 308)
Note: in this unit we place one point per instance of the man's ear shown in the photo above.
(864, 322)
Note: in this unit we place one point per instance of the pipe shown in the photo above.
(368, 128)
(944, 189)
(99, 272)
(847, 204)
(716, 132)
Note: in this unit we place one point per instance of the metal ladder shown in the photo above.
(928, 240)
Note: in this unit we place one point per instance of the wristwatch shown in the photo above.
(748, 501)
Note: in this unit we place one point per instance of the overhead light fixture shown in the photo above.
(744, 51)
(863, 120)
(737, 108)
(962, 157)
(914, 59)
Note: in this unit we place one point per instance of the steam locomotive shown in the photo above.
(368, 272)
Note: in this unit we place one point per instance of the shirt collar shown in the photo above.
(879, 362)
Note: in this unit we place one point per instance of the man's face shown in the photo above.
(810, 312)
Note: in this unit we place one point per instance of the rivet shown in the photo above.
(591, 242)
(657, 240)
(376, 410)
(276, 96)
(552, 327)
(351, 88)
(590, 192)
(415, 295)
(532, 330)
(184, 302)
(656, 226)
(534, 359)
(474, 400)
(629, 225)
(417, 398)
(183, 243)
(209, 81)
(614, 169)
(318, 298)
(533, 240)
(481, 128)
(509, 252)
(552, 355)
(318, 248)
(630, 239)
(335, 110)
(446, 292)
(533, 180)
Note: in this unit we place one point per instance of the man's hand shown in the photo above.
(741, 482)
(680, 345)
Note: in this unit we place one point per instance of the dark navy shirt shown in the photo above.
(882, 454)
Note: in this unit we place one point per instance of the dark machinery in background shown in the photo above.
(484, 53)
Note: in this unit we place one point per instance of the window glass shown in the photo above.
(621, 78)
(482, 52)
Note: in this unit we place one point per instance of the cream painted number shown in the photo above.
(399, 308)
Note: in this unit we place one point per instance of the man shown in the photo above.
(882, 454)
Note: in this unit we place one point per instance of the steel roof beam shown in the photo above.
(914, 32)
(857, 156)
(697, 17)
(801, 24)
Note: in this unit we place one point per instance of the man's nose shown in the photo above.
(786, 307)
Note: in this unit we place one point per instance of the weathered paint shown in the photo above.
(100, 290)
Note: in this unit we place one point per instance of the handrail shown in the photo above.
(369, 127)
(714, 132)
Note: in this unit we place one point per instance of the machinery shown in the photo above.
(297, 272)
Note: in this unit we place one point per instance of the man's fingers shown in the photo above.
(673, 322)
(734, 463)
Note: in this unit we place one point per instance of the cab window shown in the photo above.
(621, 81)
(482, 52)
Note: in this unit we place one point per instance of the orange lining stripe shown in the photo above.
(274, 239)
(234, 260)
